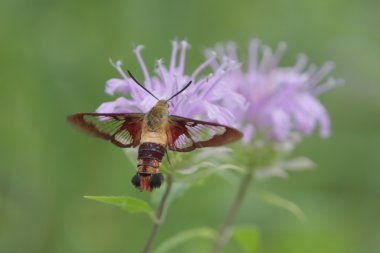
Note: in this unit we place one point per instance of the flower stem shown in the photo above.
(223, 233)
(159, 215)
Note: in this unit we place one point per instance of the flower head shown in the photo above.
(280, 100)
(201, 100)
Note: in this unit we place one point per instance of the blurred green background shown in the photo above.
(54, 62)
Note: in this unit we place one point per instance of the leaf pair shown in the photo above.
(128, 204)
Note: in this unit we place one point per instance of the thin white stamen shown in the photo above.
(281, 48)
(253, 55)
(117, 66)
(329, 84)
(125, 77)
(219, 75)
(266, 59)
(231, 50)
(311, 70)
(137, 52)
(301, 63)
(212, 54)
(173, 56)
(203, 66)
(181, 67)
(321, 73)
(219, 49)
(198, 87)
(160, 70)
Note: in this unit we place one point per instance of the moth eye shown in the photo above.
(136, 180)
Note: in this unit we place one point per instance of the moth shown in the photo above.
(154, 132)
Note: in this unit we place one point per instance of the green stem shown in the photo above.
(159, 215)
(223, 233)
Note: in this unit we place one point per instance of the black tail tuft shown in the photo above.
(136, 180)
(156, 180)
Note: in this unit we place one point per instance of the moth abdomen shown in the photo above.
(151, 151)
(149, 160)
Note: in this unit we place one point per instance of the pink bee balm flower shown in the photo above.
(281, 100)
(200, 101)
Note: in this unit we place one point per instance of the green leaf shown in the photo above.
(128, 204)
(284, 203)
(185, 236)
(248, 238)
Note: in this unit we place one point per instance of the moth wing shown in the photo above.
(188, 134)
(123, 130)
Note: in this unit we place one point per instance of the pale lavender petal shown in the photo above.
(120, 105)
(117, 85)
(219, 114)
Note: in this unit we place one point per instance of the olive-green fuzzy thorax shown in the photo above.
(156, 114)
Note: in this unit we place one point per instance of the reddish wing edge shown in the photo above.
(122, 129)
(185, 134)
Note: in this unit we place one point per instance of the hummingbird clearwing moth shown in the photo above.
(154, 132)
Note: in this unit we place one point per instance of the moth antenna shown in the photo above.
(134, 79)
(184, 88)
